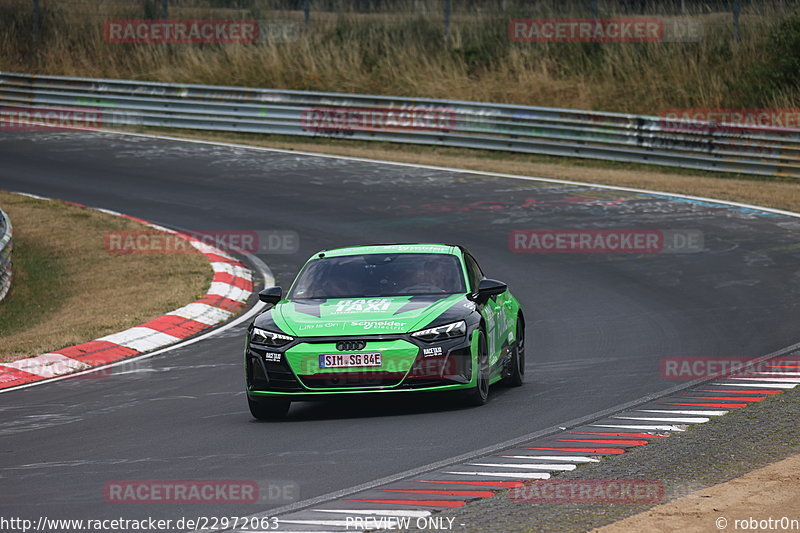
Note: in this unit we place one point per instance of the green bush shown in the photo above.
(777, 71)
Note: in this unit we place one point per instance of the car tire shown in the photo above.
(515, 372)
(268, 408)
(479, 394)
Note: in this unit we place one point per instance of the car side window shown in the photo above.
(473, 271)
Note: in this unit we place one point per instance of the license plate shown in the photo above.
(344, 360)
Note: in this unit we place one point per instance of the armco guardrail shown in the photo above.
(535, 130)
(6, 245)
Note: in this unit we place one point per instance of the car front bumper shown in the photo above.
(408, 365)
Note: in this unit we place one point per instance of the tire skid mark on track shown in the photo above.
(516, 467)
(230, 289)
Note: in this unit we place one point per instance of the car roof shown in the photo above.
(394, 248)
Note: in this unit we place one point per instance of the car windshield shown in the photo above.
(379, 275)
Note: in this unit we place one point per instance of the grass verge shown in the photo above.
(67, 289)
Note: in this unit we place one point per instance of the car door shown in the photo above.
(493, 312)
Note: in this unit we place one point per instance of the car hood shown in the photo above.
(361, 316)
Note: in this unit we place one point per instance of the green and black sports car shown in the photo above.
(390, 318)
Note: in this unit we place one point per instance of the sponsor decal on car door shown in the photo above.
(495, 313)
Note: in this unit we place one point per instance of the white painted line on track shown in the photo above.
(576, 459)
(757, 385)
(666, 411)
(334, 523)
(383, 512)
(37, 197)
(640, 428)
(529, 466)
(771, 380)
(510, 475)
(698, 420)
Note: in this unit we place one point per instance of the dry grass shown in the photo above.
(767, 492)
(67, 289)
(779, 193)
(405, 54)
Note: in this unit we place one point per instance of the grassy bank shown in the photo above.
(67, 289)
(404, 52)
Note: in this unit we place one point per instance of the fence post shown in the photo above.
(447, 9)
(165, 9)
(737, 11)
(36, 22)
(595, 10)
(306, 12)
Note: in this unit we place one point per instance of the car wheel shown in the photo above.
(479, 394)
(515, 371)
(268, 408)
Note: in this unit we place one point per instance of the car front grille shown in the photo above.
(339, 380)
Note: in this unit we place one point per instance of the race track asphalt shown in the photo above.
(598, 324)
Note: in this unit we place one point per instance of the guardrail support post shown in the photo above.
(447, 8)
(737, 11)
(165, 9)
(306, 12)
(36, 22)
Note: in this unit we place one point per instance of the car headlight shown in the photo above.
(269, 338)
(440, 333)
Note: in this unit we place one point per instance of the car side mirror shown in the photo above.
(488, 288)
(271, 295)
